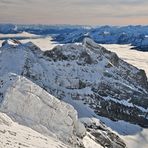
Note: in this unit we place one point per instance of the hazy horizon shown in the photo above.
(75, 12)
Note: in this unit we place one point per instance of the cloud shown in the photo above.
(129, 15)
(73, 11)
(7, 2)
(109, 2)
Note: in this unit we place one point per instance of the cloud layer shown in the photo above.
(92, 12)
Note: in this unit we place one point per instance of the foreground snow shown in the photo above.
(89, 143)
(14, 135)
(32, 106)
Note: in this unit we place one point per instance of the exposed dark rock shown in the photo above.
(99, 133)
(142, 78)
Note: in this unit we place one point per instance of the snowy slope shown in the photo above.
(14, 135)
(30, 105)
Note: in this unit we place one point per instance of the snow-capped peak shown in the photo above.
(88, 42)
(11, 42)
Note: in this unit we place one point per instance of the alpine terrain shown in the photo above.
(63, 97)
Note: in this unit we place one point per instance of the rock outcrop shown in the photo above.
(98, 132)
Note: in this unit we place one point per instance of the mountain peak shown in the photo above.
(89, 42)
(11, 42)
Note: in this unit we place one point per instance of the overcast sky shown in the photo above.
(89, 12)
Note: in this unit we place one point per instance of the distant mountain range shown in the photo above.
(135, 35)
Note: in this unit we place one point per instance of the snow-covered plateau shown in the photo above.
(74, 95)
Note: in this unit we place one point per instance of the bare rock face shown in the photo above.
(101, 134)
(142, 78)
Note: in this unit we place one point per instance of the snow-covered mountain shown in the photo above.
(87, 76)
(85, 72)
(14, 135)
(135, 35)
(40, 29)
